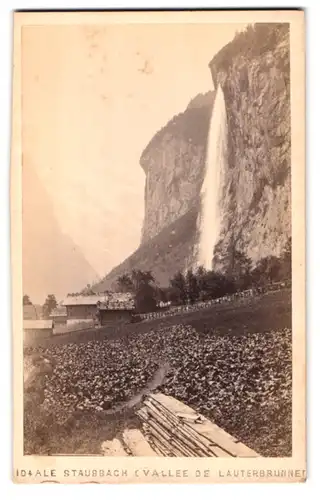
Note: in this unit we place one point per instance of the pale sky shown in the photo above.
(93, 97)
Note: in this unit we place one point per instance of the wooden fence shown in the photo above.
(252, 292)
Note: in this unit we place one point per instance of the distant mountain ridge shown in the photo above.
(52, 263)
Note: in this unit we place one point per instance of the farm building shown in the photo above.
(59, 315)
(37, 329)
(109, 307)
(32, 311)
(116, 307)
(81, 307)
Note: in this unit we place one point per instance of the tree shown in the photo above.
(288, 249)
(88, 290)
(141, 284)
(201, 275)
(145, 298)
(286, 266)
(240, 269)
(192, 286)
(145, 292)
(26, 300)
(217, 285)
(178, 283)
(49, 305)
(124, 283)
(272, 269)
(162, 294)
(173, 295)
(267, 270)
(141, 277)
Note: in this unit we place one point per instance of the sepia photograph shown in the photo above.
(157, 191)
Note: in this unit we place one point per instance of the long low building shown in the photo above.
(59, 315)
(81, 307)
(106, 308)
(37, 329)
(114, 310)
(32, 311)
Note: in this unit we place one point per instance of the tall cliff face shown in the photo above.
(174, 165)
(253, 72)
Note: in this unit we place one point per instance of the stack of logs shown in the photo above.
(175, 430)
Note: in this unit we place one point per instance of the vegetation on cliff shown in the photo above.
(254, 41)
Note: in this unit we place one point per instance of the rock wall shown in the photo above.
(253, 71)
(174, 163)
(163, 254)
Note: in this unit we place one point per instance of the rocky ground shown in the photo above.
(243, 383)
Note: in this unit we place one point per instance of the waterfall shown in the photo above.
(210, 216)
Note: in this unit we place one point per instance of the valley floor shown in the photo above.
(231, 362)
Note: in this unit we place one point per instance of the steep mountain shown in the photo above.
(253, 71)
(163, 254)
(254, 74)
(56, 268)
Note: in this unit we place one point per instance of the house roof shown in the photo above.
(59, 312)
(119, 301)
(110, 300)
(37, 324)
(82, 300)
(32, 311)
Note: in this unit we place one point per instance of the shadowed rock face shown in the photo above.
(253, 71)
(174, 163)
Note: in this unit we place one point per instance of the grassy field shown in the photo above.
(231, 362)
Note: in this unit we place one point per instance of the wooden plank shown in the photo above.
(164, 435)
(153, 406)
(173, 446)
(219, 452)
(171, 440)
(191, 418)
(224, 440)
(137, 443)
(206, 428)
(178, 434)
(159, 438)
(199, 444)
(174, 405)
(159, 448)
(205, 438)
